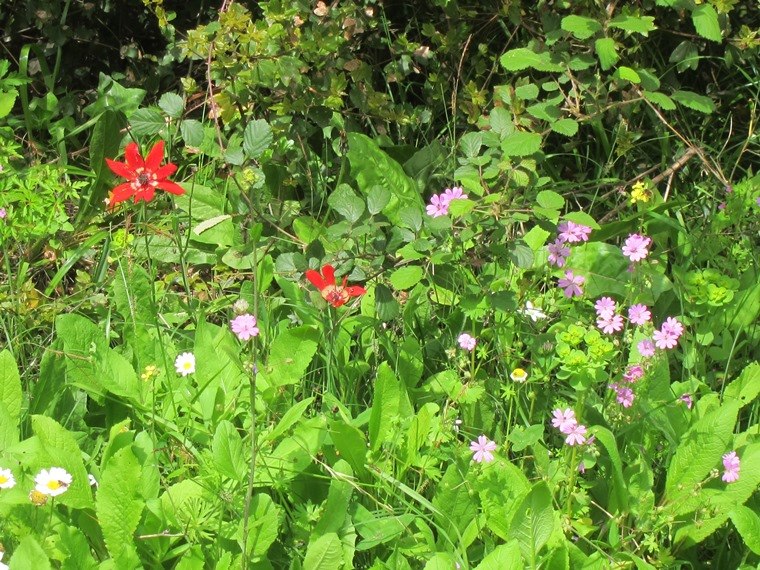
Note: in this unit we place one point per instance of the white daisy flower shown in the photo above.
(7, 480)
(52, 482)
(185, 363)
(519, 375)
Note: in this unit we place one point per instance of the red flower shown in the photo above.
(336, 295)
(143, 176)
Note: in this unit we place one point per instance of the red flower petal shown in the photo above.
(355, 290)
(328, 271)
(165, 171)
(120, 169)
(155, 156)
(146, 193)
(121, 193)
(316, 279)
(132, 154)
(171, 187)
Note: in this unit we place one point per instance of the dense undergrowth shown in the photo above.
(380, 285)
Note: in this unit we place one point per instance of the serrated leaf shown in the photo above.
(567, 127)
(527, 92)
(606, 51)
(344, 201)
(324, 553)
(290, 354)
(406, 277)
(29, 555)
(533, 523)
(521, 144)
(471, 143)
(705, 20)
(660, 99)
(227, 451)
(550, 199)
(747, 522)
(627, 74)
(119, 505)
(256, 138)
(7, 100)
(503, 557)
(693, 101)
(10, 385)
(147, 122)
(172, 104)
(377, 199)
(263, 526)
(385, 406)
(524, 58)
(639, 24)
(747, 386)
(192, 132)
(581, 27)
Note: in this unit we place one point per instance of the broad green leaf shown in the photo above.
(522, 437)
(627, 74)
(406, 277)
(607, 439)
(419, 430)
(461, 207)
(746, 387)
(550, 199)
(119, 506)
(324, 553)
(693, 101)
(351, 444)
(335, 508)
(344, 201)
(521, 144)
(558, 559)
(377, 199)
(385, 407)
(581, 27)
(256, 138)
(172, 104)
(192, 132)
(289, 418)
(381, 298)
(660, 99)
(454, 506)
(376, 530)
(7, 100)
(524, 58)
(706, 22)
(372, 167)
(639, 24)
(263, 525)
(606, 51)
(567, 127)
(503, 557)
(527, 92)
(471, 143)
(290, 355)
(10, 385)
(29, 555)
(440, 561)
(147, 122)
(227, 450)
(747, 522)
(700, 450)
(76, 550)
(533, 522)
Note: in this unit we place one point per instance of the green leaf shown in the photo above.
(7, 100)
(290, 354)
(533, 523)
(503, 557)
(706, 22)
(351, 444)
(747, 522)
(660, 99)
(522, 437)
(604, 267)
(527, 92)
(385, 407)
(581, 27)
(524, 58)
(29, 555)
(471, 143)
(192, 132)
(406, 277)
(550, 199)
(288, 419)
(747, 386)
(567, 127)
(10, 385)
(227, 450)
(371, 167)
(521, 144)
(335, 509)
(256, 138)
(263, 526)
(639, 24)
(606, 51)
(344, 201)
(119, 506)
(172, 104)
(386, 306)
(324, 553)
(147, 122)
(620, 497)
(627, 74)
(693, 101)
(377, 199)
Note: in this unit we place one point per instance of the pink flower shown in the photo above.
(636, 247)
(633, 373)
(244, 326)
(572, 284)
(646, 348)
(438, 206)
(732, 464)
(610, 324)
(605, 307)
(558, 253)
(482, 448)
(455, 193)
(3, 214)
(577, 435)
(571, 232)
(624, 396)
(672, 326)
(564, 420)
(639, 314)
(687, 399)
(467, 341)
(669, 333)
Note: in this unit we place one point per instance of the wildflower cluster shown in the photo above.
(439, 203)
(731, 464)
(567, 232)
(566, 422)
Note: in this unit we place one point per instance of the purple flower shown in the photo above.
(610, 324)
(633, 373)
(558, 253)
(455, 193)
(646, 348)
(605, 307)
(571, 232)
(732, 464)
(467, 341)
(577, 435)
(572, 284)
(438, 206)
(244, 326)
(624, 395)
(687, 399)
(636, 247)
(482, 448)
(672, 326)
(564, 420)
(669, 333)
(3, 214)
(639, 314)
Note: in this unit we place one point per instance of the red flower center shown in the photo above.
(335, 295)
(143, 178)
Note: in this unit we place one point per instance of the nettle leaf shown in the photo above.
(705, 20)
(471, 143)
(567, 127)
(521, 144)
(119, 505)
(344, 201)
(192, 132)
(747, 386)
(527, 92)
(29, 555)
(582, 28)
(385, 406)
(747, 522)
(660, 99)
(606, 51)
(693, 101)
(172, 104)
(256, 138)
(147, 122)
(524, 58)
(406, 277)
(639, 24)
(533, 523)
(503, 557)
(550, 199)
(324, 553)
(627, 74)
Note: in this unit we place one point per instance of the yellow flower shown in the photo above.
(149, 372)
(640, 192)
(38, 499)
